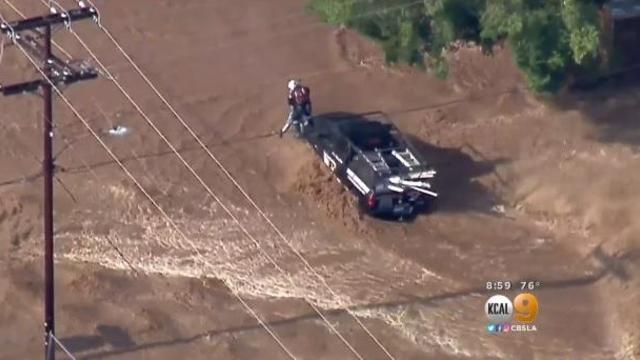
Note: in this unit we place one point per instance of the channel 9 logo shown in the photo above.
(500, 310)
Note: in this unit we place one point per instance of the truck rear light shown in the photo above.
(372, 201)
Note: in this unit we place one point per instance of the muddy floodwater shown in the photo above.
(529, 191)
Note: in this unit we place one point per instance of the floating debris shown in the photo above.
(498, 209)
(119, 130)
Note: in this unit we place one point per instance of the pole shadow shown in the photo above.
(614, 265)
(83, 169)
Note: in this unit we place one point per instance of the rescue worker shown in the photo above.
(299, 101)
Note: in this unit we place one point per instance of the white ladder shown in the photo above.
(377, 161)
(406, 158)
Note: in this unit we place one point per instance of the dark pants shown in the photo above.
(297, 113)
(300, 111)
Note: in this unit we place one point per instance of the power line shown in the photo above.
(1, 50)
(214, 196)
(128, 173)
(209, 190)
(218, 200)
(77, 114)
(80, 158)
(66, 351)
(69, 145)
(262, 213)
(234, 181)
(238, 186)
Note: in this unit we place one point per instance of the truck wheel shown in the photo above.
(429, 206)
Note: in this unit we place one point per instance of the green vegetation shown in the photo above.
(550, 39)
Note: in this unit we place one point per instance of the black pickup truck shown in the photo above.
(372, 159)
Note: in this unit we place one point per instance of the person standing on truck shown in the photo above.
(299, 100)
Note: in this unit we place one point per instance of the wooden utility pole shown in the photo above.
(26, 35)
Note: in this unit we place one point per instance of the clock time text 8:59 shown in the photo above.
(498, 285)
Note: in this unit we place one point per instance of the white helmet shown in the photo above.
(292, 84)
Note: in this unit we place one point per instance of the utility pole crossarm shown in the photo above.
(49, 20)
(35, 85)
(22, 88)
(74, 77)
(61, 73)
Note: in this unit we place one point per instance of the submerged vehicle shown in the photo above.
(373, 160)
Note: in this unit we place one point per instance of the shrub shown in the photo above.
(550, 39)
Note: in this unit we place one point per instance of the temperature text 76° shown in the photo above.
(529, 285)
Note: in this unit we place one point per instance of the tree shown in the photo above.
(535, 32)
(453, 20)
(581, 20)
(549, 38)
(336, 12)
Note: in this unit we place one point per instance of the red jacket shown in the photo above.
(300, 95)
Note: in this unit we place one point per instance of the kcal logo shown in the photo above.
(499, 309)
(524, 309)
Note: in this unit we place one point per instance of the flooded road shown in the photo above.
(133, 283)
